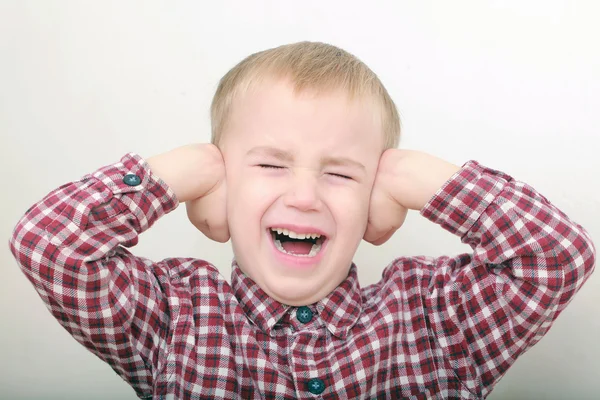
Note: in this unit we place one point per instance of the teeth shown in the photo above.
(295, 235)
(313, 250)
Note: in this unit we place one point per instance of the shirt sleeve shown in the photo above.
(528, 261)
(71, 246)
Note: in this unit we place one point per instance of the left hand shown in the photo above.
(405, 179)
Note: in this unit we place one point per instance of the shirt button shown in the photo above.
(131, 180)
(304, 314)
(316, 386)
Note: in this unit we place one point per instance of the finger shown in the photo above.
(218, 234)
(213, 229)
(371, 235)
(378, 237)
(375, 232)
(209, 215)
(380, 230)
(381, 240)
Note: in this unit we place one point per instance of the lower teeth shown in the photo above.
(313, 251)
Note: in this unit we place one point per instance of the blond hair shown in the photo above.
(307, 65)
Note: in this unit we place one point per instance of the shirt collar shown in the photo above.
(339, 310)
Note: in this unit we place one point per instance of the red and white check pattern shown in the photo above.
(445, 327)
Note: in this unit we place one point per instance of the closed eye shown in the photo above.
(340, 176)
(270, 166)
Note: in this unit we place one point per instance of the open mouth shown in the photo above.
(297, 244)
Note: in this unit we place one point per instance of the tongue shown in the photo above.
(297, 247)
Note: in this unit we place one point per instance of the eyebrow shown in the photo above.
(271, 152)
(288, 157)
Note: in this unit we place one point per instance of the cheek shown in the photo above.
(247, 201)
(350, 209)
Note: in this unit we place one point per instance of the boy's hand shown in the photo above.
(405, 180)
(196, 173)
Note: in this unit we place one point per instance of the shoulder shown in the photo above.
(409, 269)
(188, 272)
(417, 273)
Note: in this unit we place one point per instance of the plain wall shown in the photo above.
(512, 84)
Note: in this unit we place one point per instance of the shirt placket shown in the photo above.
(309, 382)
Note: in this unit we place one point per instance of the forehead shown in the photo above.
(273, 114)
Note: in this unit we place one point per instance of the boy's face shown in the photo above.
(304, 163)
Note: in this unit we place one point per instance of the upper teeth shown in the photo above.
(295, 235)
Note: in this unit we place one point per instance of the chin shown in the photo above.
(292, 294)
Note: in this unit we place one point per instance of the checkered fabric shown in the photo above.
(432, 328)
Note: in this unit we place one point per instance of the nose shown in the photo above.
(302, 192)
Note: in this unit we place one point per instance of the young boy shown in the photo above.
(303, 166)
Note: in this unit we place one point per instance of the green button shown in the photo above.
(316, 386)
(304, 314)
(131, 180)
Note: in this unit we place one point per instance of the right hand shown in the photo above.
(196, 173)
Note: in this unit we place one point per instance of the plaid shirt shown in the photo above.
(445, 327)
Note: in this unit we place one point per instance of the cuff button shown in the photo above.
(131, 180)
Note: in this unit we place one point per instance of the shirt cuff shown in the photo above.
(146, 195)
(459, 203)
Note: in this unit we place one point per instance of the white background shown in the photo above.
(512, 84)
